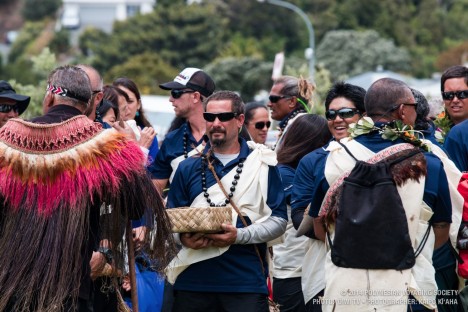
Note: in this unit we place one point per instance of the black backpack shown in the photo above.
(371, 230)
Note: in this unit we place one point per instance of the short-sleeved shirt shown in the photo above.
(456, 145)
(171, 148)
(239, 268)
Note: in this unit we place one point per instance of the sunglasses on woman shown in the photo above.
(261, 124)
(344, 113)
(177, 93)
(449, 95)
(210, 117)
(6, 108)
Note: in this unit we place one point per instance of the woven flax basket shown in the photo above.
(200, 220)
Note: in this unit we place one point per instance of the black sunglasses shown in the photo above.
(6, 108)
(261, 124)
(177, 93)
(449, 95)
(221, 116)
(276, 98)
(411, 104)
(343, 113)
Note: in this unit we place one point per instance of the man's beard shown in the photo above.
(217, 142)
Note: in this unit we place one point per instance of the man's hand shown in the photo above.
(97, 263)
(194, 240)
(147, 137)
(123, 128)
(224, 239)
(139, 237)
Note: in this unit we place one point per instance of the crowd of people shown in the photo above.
(86, 188)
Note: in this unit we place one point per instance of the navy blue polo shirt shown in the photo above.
(456, 145)
(239, 268)
(171, 148)
(287, 177)
(310, 184)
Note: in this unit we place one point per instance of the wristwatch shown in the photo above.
(107, 253)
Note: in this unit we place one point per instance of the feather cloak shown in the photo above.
(53, 180)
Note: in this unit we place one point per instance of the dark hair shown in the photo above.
(104, 107)
(112, 94)
(457, 71)
(422, 111)
(298, 87)
(237, 105)
(176, 123)
(250, 109)
(74, 80)
(384, 95)
(307, 133)
(141, 119)
(352, 93)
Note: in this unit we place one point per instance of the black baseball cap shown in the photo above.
(192, 78)
(7, 91)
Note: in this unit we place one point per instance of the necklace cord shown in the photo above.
(244, 222)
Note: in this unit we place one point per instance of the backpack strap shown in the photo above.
(347, 150)
(423, 242)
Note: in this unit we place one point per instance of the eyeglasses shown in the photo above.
(221, 116)
(461, 95)
(411, 104)
(261, 124)
(331, 114)
(276, 98)
(6, 108)
(177, 93)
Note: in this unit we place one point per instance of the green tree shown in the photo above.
(148, 71)
(41, 67)
(182, 36)
(35, 10)
(245, 75)
(346, 53)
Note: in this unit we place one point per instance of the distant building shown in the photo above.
(102, 13)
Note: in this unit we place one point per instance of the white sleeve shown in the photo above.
(262, 232)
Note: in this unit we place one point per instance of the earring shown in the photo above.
(137, 114)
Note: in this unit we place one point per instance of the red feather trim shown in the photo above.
(44, 166)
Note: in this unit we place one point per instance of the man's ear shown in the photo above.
(49, 100)
(402, 113)
(292, 102)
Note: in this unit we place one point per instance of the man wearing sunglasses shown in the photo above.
(12, 104)
(224, 271)
(454, 86)
(188, 89)
(386, 100)
(289, 98)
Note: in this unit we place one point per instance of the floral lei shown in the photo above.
(443, 124)
(390, 131)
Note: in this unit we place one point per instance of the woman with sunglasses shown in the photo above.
(344, 105)
(134, 112)
(257, 121)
